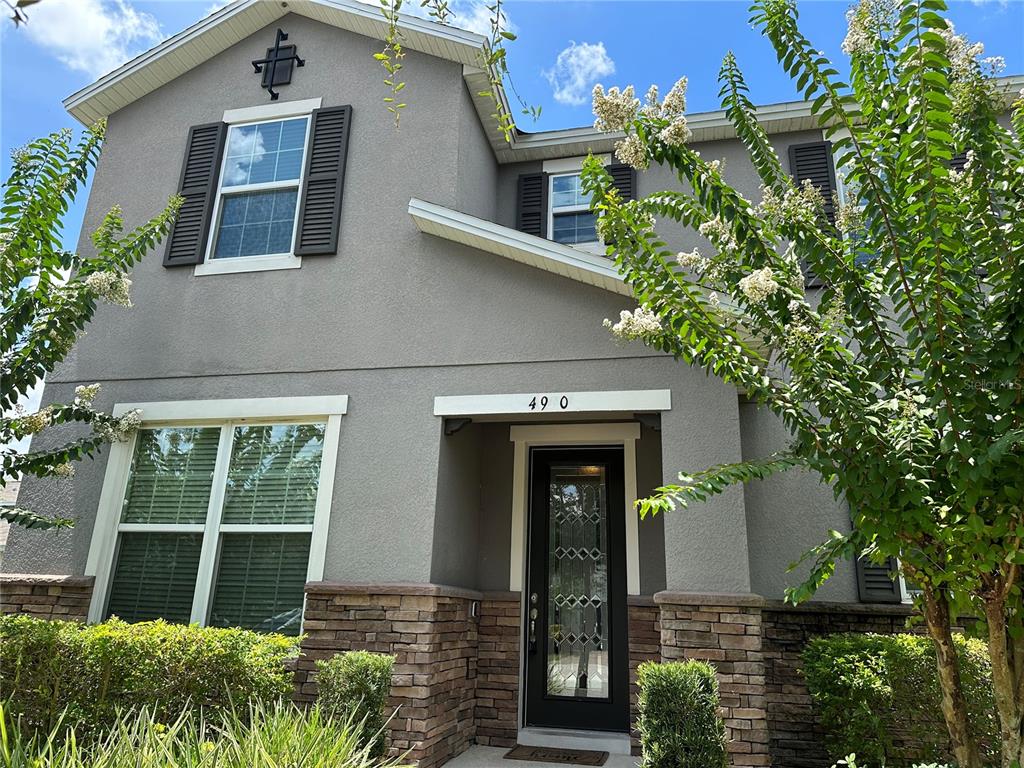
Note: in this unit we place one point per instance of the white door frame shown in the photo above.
(526, 436)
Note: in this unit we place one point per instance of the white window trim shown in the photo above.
(254, 116)
(591, 246)
(526, 436)
(225, 413)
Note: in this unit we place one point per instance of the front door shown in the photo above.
(577, 673)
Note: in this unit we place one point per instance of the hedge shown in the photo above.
(879, 696)
(86, 673)
(356, 685)
(677, 716)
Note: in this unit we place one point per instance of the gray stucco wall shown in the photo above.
(788, 514)
(396, 318)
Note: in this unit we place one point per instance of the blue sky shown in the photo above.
(563, 48)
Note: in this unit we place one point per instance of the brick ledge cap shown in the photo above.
(47, 579)
(750, 599)
(815, 606)
(391, 588)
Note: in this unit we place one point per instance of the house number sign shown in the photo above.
(637, 400)
(541, 402)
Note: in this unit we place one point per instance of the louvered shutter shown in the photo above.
(958, 161)
(875, 584)
(532, 208)
(322, 188)
(623, 179)
(814, 161)
(198, 185)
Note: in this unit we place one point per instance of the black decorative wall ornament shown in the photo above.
(278, 65)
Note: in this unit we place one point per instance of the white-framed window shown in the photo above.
(570, 220)
(256, 208)
(216, 512)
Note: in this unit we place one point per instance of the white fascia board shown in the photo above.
(240, 409)
(624, 401)
(484, 235)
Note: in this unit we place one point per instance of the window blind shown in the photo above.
(260, 581)
(155, 577)
(171, 475)
(274, 474)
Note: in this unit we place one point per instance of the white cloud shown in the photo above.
(1000, 3)
(92, 36)
(576, 70)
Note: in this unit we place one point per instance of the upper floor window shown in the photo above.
(257, 203)
(571, 220)
(261, 188)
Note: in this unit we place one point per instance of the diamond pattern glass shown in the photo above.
(577, 646)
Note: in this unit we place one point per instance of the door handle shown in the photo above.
(533, 624)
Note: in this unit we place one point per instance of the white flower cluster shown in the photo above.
(759, 285)
(64, 470)
(641, 324)
(32, 423)
(865, 22)
(677, 132)
(692, 260)
(86, 393)
(632, 152)
(112, 287)
(849, 218)
(963, 55)
(6, 236)
(614, 110)
(20, 156)
(122, 428)
(718, 232)
(797, 204)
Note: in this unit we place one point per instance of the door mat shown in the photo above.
(556, 755)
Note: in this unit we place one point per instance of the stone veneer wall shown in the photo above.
(497, 668)
(725, 630)
(434, 638)
(797, 739)
(46, 597)
(644, 645)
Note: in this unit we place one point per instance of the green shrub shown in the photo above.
(274, 735)
(879, 696)
(677, 716)
(356, 685)
(85, 673)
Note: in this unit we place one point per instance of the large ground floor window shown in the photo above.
(216, 521)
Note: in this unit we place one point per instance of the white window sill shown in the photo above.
(248, 264)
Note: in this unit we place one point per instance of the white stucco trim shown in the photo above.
(624, 401)
(272, 111)
(225, 413)
(512, 244)
(526, 436)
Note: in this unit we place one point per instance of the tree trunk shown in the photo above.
(1004, 683)
(954, 704)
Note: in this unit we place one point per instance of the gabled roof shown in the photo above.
(235, 22)
(517, 246)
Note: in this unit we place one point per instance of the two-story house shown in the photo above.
(379, 407)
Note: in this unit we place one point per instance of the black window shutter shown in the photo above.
(532, 204)
(814, 161)
(958, 161)
(623, 179)
(320, 207)
(198, 185)
(875, 583)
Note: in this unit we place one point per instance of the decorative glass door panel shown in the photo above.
(577, 581)
(576, 663)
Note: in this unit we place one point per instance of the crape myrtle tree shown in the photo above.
(901, 380)
(47, 296)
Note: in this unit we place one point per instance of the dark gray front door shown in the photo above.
(577, 673)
